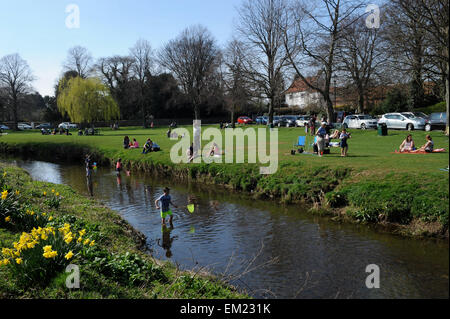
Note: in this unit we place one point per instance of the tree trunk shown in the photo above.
(196, 112)
(232, 117)
(360, 100)
(272, 100)
(15, 114)
(447, 97)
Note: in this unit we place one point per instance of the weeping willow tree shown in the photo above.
(86, 100)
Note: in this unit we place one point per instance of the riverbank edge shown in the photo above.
(126, 240)
(319, 193)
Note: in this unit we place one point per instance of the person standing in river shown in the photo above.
(166, 201)
(89, 168)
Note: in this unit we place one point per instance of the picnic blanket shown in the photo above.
(439, 150)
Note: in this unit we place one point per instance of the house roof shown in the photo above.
(298, 85)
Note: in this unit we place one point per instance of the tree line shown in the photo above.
(325, 43)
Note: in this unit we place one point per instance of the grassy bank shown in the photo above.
(372, 185)
(109, 254)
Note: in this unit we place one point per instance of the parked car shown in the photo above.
(24, 126)
(418, 114)
(279, 121)
(44, 126)
(359, 121)
(67, 125)
(291, 120)
(262, 120)
(3, 127)
(245, 120)
(303, 120)
(436, 121)
(402, 121)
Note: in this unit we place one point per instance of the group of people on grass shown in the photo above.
(323, 140)
(149, 145)
(408, 145)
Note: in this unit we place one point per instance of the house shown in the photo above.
(300, 95)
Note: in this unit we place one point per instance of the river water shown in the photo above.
(271, 250)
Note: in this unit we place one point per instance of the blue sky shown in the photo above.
(37, 29)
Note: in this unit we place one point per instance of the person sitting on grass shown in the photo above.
(148, 146)
(428, 146)
(336, 134)
(126, 142)
(407, 145)
(166, 201)
(135, 144)
(344, 146)
(155, 147)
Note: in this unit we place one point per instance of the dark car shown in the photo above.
(44, 126)
(279, 121)
(436, 121)
(290, 120)
(262, 120)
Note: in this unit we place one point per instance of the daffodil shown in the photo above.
(92, 243)
(53, 190)
(57, 194)
(17, 192)
(69, 255)
(8, 219)
(19, 261)
(4, 194)
(45, 193)
(87, 241)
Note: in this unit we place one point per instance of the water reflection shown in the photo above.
(303, 256)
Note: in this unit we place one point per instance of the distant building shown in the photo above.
(300, 95)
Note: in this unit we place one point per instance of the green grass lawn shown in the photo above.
(373, 183)
(367, 150)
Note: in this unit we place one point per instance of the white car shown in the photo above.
(402, 121)
(359, 121)
(67, 125)
(302, 120)
(24, 126)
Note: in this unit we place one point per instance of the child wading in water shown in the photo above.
(119, 166)
(166, 201)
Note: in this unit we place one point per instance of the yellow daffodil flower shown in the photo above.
(69, 255)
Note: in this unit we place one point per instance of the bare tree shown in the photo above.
(236, 82)
(435, 22)
(193, 57)
(79, 60)
(261, 29)
(311, 40)
(407, 45)
(142, 54)
(117, 73)
(16, 77)
(360, 54)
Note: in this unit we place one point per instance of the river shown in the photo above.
(271, 250)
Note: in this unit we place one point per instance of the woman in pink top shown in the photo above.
(135, 144)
